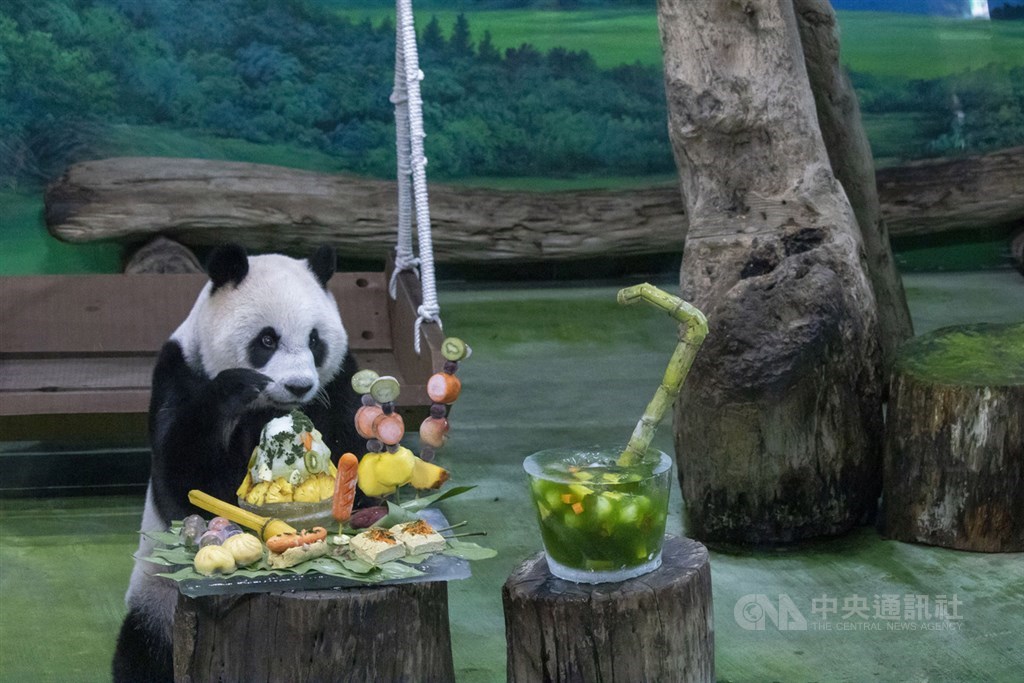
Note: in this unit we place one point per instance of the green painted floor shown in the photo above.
(561, 367)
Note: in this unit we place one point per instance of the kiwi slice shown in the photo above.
(363, 380)
(385, 389)
(315, 462)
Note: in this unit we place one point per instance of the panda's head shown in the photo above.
(270, 313)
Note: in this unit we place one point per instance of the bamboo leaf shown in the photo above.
(358, 566)
(417, 504)
(163, 537)
(468, 551)
(397, 570)
(414, 559)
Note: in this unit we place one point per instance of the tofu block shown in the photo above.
(377, 546)
(419, 537)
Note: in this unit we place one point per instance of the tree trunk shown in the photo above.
(657, 627)
(778, 430)
(380, 633)
(853, 165)
(954, 456)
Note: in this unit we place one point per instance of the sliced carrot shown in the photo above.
(577, 508)
(389, 428)
(345, 487)
(289, 539)
(307, 440)
(364, 420)
(443, 388)
(567, 498)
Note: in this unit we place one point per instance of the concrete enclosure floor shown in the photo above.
(555, 367)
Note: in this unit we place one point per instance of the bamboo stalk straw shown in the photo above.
(264, 526)
(695, 328)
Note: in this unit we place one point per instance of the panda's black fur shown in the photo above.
(264, 337)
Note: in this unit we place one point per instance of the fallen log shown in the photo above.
(201, 202)
(965, 193)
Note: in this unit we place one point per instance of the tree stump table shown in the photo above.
(657, 627)
(954, 451)
(397, 632)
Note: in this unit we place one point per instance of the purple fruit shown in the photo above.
(218, 523)
(367, 517)
(211, 538)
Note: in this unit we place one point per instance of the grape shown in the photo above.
(388, 407)
(210, 538)
(218, 523)
(230, 530)
(438, 410)
(368, 400)
(374, 446)
(427, 454)
(451, 367)
(193, 523)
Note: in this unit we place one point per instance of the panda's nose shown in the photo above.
(298, 390)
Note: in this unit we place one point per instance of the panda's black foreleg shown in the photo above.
(191, 417)
(142, 655)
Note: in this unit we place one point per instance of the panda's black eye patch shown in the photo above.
(318, 347)
(263, 346)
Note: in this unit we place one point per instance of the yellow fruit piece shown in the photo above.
(427, 475)
(307, 492)
(258, 494)
(243, 489)
(366, 477)
(325, 482)
(395, 469)
(280, 491)
(331, 469)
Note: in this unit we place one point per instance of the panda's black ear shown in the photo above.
(228, 263)
(323, 262)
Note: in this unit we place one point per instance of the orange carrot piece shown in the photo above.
(307, 440)
(567, 498)
(443, 388)
(345, 488)
(577, 508)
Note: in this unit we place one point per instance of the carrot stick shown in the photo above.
(345, 488)
(307, 440)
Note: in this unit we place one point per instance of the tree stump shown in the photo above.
(379, 633)
(954, 450)
(658, 627)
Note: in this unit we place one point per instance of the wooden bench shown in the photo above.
(77, 351)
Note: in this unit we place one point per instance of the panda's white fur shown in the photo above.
(219, 328)
(210, 400)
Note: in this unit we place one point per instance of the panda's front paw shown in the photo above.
(237, 388)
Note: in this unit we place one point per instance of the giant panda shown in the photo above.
(263, 337)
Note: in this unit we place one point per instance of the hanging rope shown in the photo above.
(412, 163)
